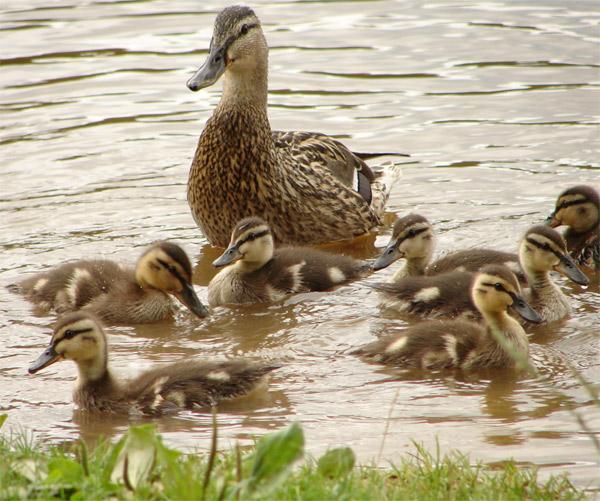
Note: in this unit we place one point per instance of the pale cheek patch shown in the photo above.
(218, 376)
(427, 294)
(397, 345)
(336, 275)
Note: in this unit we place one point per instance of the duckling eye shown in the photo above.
(498, 286)
(411, 233)
(69, 334)
(244, 29)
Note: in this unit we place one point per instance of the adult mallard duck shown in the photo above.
(80, 337)
(258, 272)
(118, 293)
(541, 250)
(579, 209)
(458, 344)
(309, 187)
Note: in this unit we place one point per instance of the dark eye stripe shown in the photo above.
(411, 234)
(71, 333)
(233, 38)
(494, 286)
(545, 247)
(172, 270)
(569, 203)
(253, 236)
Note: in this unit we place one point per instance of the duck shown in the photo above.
(413, 239)
(256, 272)
(308, 186)
(118, 293)
(79, 336)
(446, 295)
(578, 208)
(461, 344)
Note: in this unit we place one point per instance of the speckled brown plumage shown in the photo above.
(302, 183)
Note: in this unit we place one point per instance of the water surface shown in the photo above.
(498, 105)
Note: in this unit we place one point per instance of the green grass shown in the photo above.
(140, 466)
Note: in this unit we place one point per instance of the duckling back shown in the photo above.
(474, 259)
(445, 295)
(102, 287)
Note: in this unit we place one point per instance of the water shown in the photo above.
(497, 103)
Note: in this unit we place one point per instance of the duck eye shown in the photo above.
(498, 286)
(69, 334)
(244, 29)
(411, 233)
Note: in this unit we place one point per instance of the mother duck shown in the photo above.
(309, 187)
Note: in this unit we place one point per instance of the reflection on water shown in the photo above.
(497, 103)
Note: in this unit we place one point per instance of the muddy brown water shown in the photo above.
(498, 104)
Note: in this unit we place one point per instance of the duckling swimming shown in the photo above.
(117, 293)
(459, 344)
(309, 187)
(413, 239)
(541, 250)
(579, 209)
(257, 272)
(188, 384)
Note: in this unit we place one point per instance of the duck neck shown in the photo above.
(541, 286)
(246, 90)
(502, 325)
(413, 267)
(92, 370)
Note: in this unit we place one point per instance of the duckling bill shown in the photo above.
(117, 293)
(190, 384)
(255, 271)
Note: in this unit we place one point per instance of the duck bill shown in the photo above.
(552, 221)
(187, 296)
(209, 72)
(522, 308)
(569, 269)
(231, 255)
(390, 254)
(48, 357)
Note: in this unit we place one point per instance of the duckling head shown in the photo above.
(251, 244)
(412, 239)
(79, 337)
(166, 267)
(495, 288)
(543, 249)
(237, 47)
(577, 207)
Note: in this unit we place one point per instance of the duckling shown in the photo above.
(413, 239)
(579, 209)
(79, 336)
(459, 344)
(117, 293)
(541, 250)
(257, 272)
(309, 187)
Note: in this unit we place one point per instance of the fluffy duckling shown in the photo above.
(117, 293)
(458, 344)
(447, 295)
(79, 337)
(579, 209)
(413, 239)
(257, 272)
(308, 186)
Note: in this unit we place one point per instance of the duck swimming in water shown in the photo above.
(258, 272)
(308, 187)
(118, 293)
